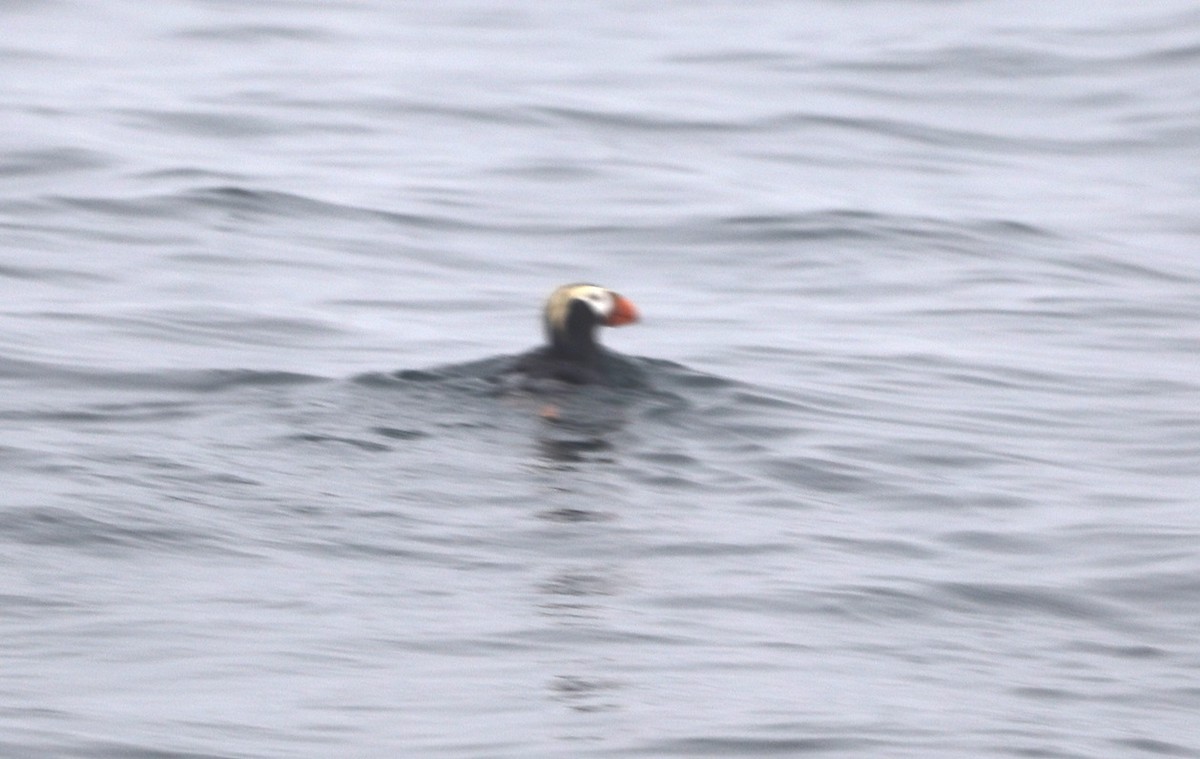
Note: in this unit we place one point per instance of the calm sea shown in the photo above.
(915, 471)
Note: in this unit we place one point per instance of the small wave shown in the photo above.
(210, 326)
(49, 526)
(52, 161)
(48, 274)
(394, 433)
(645, 121)
(254, 202)
(752, 746)
(242, 33)
(469, 375)
(224, 123)
(852, 224)
(199, 381)
(370, 446)
(102, 413)
(1029, 599)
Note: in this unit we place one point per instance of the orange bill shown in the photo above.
(624, 312)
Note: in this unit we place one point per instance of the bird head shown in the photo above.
(573, 311)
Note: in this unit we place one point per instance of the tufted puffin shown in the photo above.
(570, 318)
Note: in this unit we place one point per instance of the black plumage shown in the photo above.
(572, 353)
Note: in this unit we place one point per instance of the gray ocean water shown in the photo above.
(915, 472)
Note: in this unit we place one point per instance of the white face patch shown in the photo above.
(601, 301)
(598, 299)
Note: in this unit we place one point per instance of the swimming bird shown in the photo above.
(570, 318)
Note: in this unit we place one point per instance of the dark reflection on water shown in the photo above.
(574, 451)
